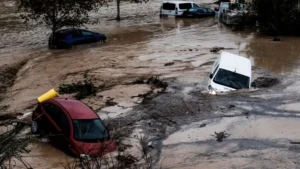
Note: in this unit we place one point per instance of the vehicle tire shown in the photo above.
(34, 127)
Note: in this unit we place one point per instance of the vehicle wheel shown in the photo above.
(34, 127)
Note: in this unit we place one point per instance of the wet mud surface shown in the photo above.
(180, 121)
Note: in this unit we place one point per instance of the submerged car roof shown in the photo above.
(67, 30)
(76, 109)
(196, 8)
(235, 63)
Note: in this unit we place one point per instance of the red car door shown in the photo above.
(59, 125)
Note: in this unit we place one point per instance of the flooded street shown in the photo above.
(181, 121)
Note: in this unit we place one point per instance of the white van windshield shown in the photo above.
(185, 6)
(231, 79)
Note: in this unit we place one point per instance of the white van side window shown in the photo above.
(185, 6)
(169, 6)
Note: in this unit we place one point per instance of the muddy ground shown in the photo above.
(179, 122)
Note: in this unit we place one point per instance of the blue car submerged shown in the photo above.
(66, 38)
(198, 13)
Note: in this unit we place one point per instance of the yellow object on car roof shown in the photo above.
(48, 95)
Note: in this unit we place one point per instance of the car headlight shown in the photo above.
(85, 157)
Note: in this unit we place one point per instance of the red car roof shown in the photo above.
(76, 109)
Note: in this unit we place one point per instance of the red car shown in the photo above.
(73, 126)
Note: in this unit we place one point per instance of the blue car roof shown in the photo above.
(198, 8)
(70, 29)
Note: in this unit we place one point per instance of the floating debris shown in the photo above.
(221, 135)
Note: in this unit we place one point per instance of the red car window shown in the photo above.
(58, 116)
(89, 130)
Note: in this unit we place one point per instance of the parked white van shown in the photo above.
(176, 8)
(230, 72)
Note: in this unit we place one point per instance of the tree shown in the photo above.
(277, 17)
(58, 13)
(131, 1)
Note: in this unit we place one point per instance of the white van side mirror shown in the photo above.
(211, 76)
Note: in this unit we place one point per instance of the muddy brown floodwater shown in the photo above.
(179, 123)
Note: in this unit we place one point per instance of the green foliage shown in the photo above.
(59, 13)
(277, 17)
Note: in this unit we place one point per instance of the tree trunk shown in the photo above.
(118, 11)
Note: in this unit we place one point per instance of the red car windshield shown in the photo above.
(89, 130)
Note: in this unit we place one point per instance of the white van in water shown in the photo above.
(176, 8)
(230, 72)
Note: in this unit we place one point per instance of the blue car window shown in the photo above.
(76, 34)
(210, 10)
(200, 11)
(192, 10)
(87, 33)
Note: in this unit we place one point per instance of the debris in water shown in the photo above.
(5, 107)
(83, 89)
(264, 82)
(6, 117)
(247, 114)
(110, 102)
(169, 64)
(295, 142)
(231, 106)
(216, 49)
(154, 80)
(203, 125)
(126, 160)
(25, 116)
(221, 135)
(139, 81)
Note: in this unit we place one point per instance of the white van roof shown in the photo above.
(235, 63)
(178, 2)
